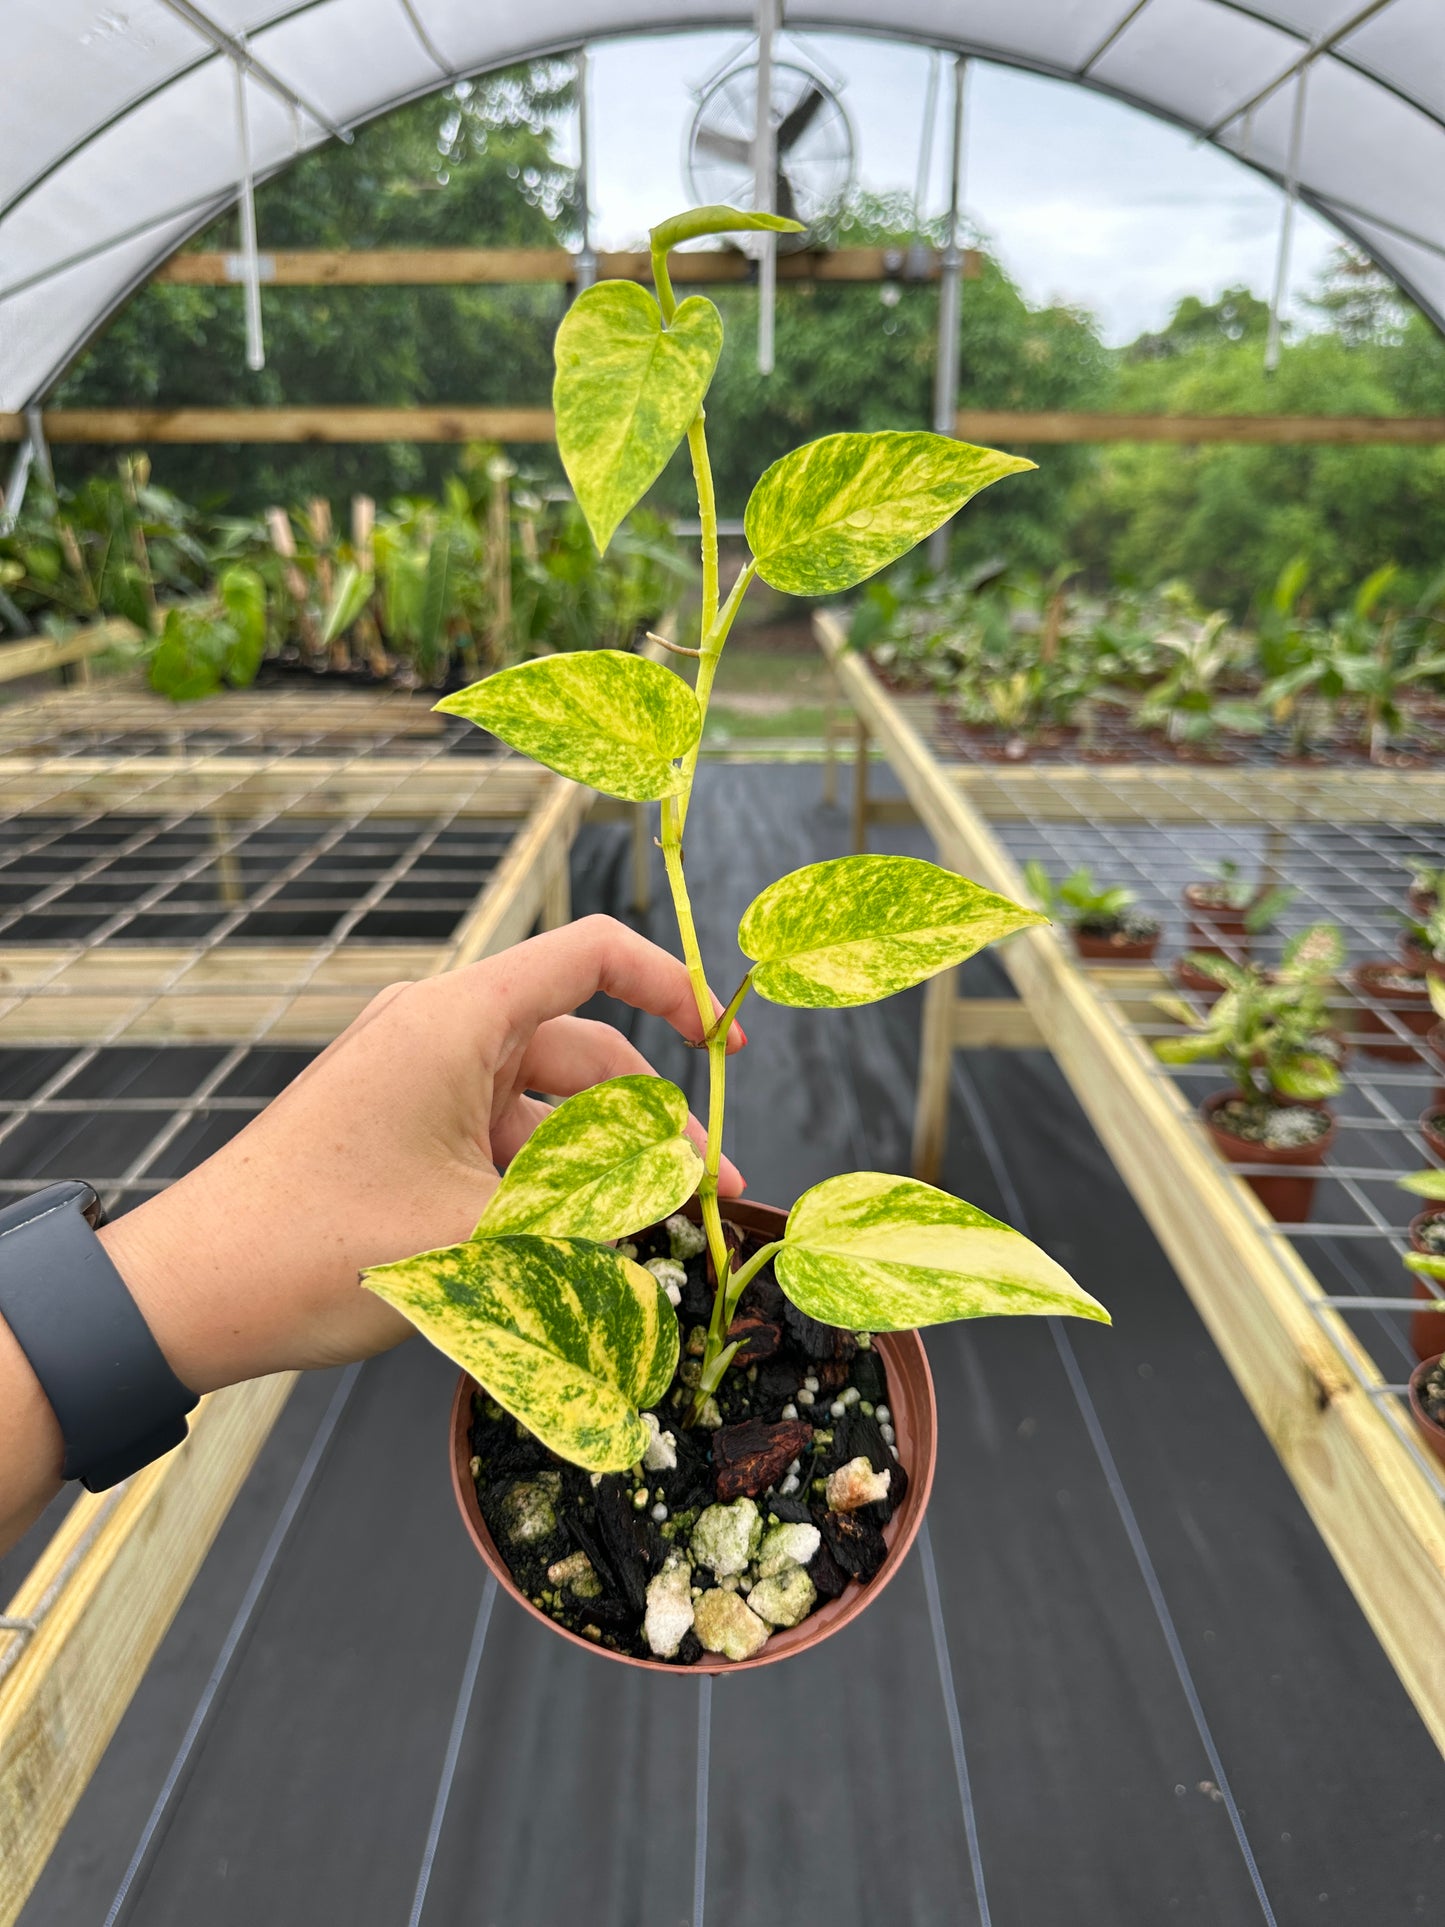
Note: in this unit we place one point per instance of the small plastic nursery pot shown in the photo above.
(1420, 902)
(1411, 1009)
(915, 1420)
(1432, 1129)
(1431, 1430)
(1187, 978)
(1212, 926)
(1286, 1199)
(1435, 1044)
(1427, 1328)
(1116, 949)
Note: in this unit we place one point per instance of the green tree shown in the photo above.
(474, 166)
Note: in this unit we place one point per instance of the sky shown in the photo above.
(1082, 199)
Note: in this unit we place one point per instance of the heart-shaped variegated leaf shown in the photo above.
(837, 510)
(862, 927)
(626, 390)
(605, 1163)
(572, 1339)
(616, 722)
(877, 1253)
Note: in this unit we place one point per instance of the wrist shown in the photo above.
(150, 1250)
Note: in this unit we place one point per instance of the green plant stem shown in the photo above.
(707, 515)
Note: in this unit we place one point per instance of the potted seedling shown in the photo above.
(689, 1436)
(1427, 889)
(1422, 942)
(1426, 1258)
(1395, 998)
(1103, 923)
(1226, 909)
(1271, 1030)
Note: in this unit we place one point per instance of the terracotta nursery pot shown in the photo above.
(1286, 1199)
(1435, 1044)
(915, 1420)
(1193, 981)
(1427, 1328)
(1432, 1433)
(1115, 949)
(1419, 902)
(1409, 1006)
(1215, 927)
(1432, 1129)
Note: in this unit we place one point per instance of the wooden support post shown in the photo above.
(499, 555)
(935, 1061)
(557, 889)
(641, 859)
(860, 786)
(830, 747)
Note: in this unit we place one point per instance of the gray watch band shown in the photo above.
(118, 1403)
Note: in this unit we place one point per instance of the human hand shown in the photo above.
(388, 1144)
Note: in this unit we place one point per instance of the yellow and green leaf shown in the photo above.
(1425, 1184)
(858, 928)
(626, 391)
(616, 722)
(574, 1340)
(835, 511)
(605, 1163)
(872, 1252)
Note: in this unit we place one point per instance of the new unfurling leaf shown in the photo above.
(859, 928)
(570, 1338)
(625, 392)
(605, 1163)
(882, 1253)
(837, 510)
(618, 723)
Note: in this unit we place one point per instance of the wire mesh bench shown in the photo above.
(1310, 1318)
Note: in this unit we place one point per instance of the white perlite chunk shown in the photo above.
(784, 1600)
(685, 1238)
(660, 1452)
(787, 1545)
(728, 1625)
(726, 1537)
(527, 1513)
(575, 1571)
(855, 1484)
(670, 1275)
(669, 1607)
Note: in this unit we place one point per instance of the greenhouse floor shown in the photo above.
(1120, 1680)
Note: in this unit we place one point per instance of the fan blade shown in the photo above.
(783, 202)
(800, 118)
(724, 147)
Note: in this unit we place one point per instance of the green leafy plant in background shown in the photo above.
(1079, 901)
(1270, 1028)
(570, 1336)
(1262, 904)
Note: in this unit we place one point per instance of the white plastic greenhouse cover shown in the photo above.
(119, 124)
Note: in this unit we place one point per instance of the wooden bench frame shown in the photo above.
(92, 1612)
(1314, 1389)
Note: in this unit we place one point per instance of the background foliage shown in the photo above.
(481, 166)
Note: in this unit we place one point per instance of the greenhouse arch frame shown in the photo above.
(1342, 101)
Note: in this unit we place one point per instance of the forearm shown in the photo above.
(31, 1450)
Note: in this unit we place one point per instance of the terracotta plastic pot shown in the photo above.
(1187, 978)
(1419, 902)
(1427, 1328)
(1117, 949)
(1212, 927)
(1286, 1199)
(1435, 1044)
(1432, 1129)
(1410, 1008)
(915, 1420)
(1433, 1434)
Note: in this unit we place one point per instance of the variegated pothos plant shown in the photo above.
(572, 1337)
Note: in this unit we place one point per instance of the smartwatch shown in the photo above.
(118, 1403)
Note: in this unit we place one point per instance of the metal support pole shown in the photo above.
(586, 253)
(764, 184)
(950, 288)
(250, 253)
(1286, 226)
(39, 447)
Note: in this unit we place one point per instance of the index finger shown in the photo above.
(555, 973)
